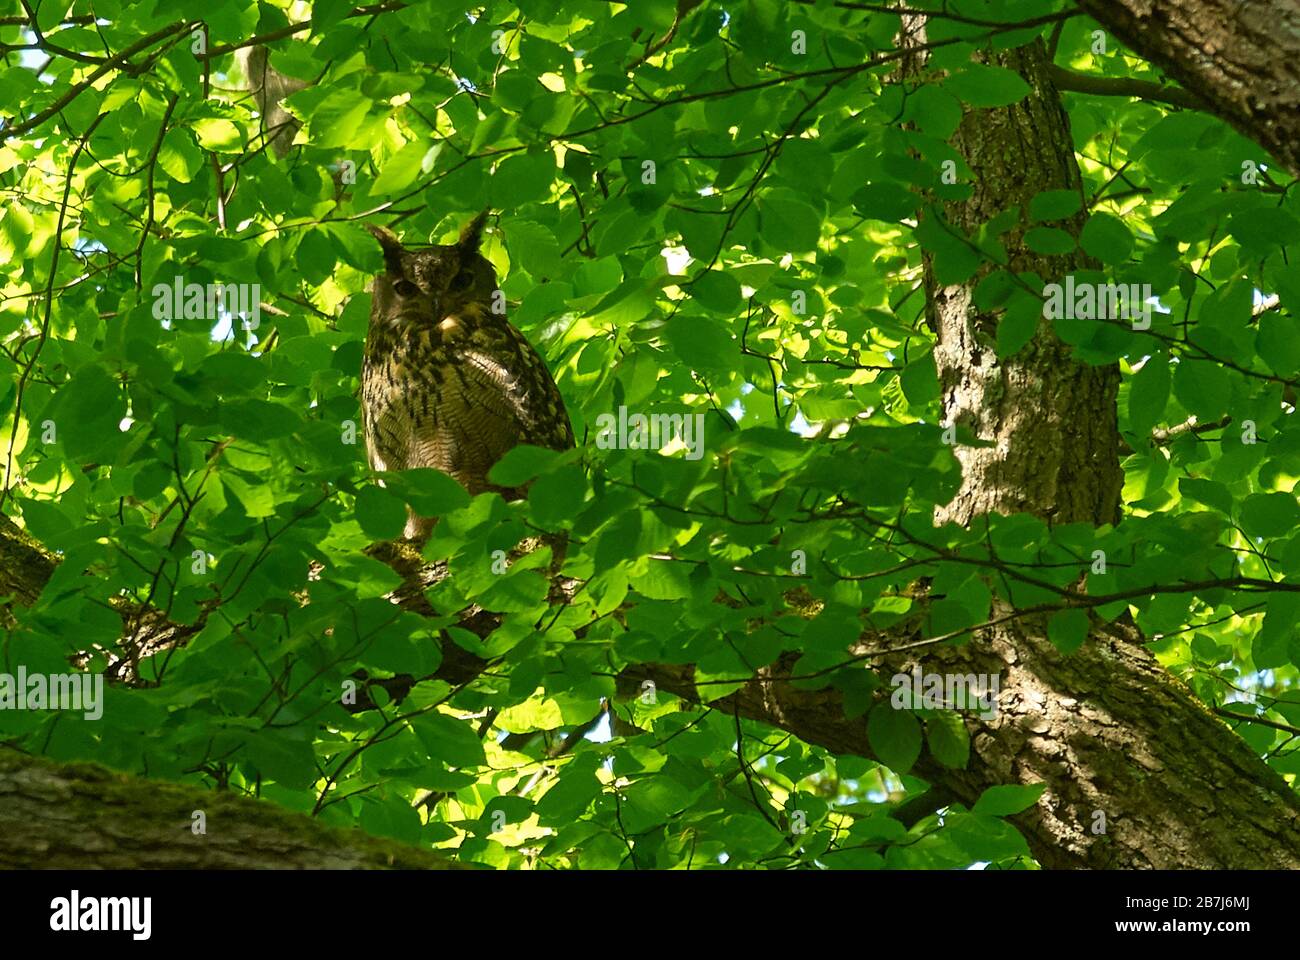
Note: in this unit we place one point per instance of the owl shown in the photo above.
(447, 382)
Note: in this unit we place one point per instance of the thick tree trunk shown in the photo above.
(75, 816)
(1107, 729)
(1114, 737)
(1051, 422)
(1242, 60)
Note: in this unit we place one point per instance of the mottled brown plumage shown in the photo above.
(447, 383)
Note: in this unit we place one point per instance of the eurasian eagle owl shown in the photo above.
(447, 382)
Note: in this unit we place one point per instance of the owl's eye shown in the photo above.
(405, 288)
(462, 280)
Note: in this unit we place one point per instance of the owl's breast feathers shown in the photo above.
(455, 394)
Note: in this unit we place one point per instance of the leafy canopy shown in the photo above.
(713, 217)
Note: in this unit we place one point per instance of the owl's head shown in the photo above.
(430, 283)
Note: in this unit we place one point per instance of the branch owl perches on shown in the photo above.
(269, 87)
(447, 382)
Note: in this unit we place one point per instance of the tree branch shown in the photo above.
(70, 816)
(1123, 87)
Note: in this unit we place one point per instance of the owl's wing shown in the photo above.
(494, 394)
(533, 397)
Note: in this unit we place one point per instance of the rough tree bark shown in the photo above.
(1106, 729)
(1057, 456)
(78, 815)
(1241, 60)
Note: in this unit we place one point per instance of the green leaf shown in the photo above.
(258, 498)
(328, 13)
(956, 258)
(1149, 394)
(597, 277)
(1008, 799)
(1202, 387)
(983, 86)
(1068, 629)
(983, 837)
(316, 257)
(653, 800)
(1209, 492)
(335, 119)
(1106, 238)
(920, 380)
(178, 156)
(534, 247)
(1270, 514)
(948, 739)
(934, 111)
(287, 761)
(1055, 204)
(895, 736)
(1273, 646)
(1018, 324)
(556, 496)
(575, 789)
(399, 651)
(717, 290)
(381, 515)
(885, 201)
(523, 178)
(401, 169)
(1278, 343)
(521, 464)
(452, 741)
(789, 223)
(260, 420)
(662, 580)
(1049, 240)
(219, 136)
(430, 492)
(87, 412)
(701, 344)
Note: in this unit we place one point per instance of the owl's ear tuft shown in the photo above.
(472, 235)
(392, 248)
